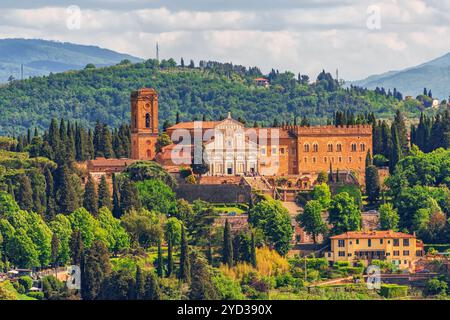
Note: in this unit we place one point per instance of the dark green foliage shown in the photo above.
(227, 249)
(119, 285)
(169, 257)
(344, 214)
(253, 252)
(159, 262)
(116, 198)
(25, 193)
(185, 265)
(54, 259)
(76, 247)
(66, 194)
(372, 184)
(148, 170)
(104, 196)
(90, 198)
(396, 151)
(392, 291)
(201, 286)
(96, 268)
(286, 97)
(129, 196)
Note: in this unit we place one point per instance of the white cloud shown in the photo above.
(305, 36)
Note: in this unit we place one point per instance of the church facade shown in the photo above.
(231, 149)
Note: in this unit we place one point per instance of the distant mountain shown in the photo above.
(434, 75)
(41, 57)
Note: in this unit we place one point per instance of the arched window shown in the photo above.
(315, 147)
(147, 120)
(330, 147)
(353, 147)
(306, 147)
(363, 147)
(339, 147)
(314, 159)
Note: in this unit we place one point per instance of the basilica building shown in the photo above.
(231, 149)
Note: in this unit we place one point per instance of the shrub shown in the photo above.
(36, 295)
(26, 282)
(19, 287)
(190, 179)
(391, 291)
(436, 286)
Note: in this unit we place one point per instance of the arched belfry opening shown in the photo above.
(148, 121)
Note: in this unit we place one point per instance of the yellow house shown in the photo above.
(398, 248)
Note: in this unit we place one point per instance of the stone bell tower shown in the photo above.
(144, 123)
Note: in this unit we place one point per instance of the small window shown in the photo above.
(353, 147)
(341, 253)
(396, 253)
(263, 151)
(330, 147)
(396, 242)
(315, 147)
(406, 253)
(341, 243)
(339, 147)
(306, 147)
(362, 147)
(381, 241)
(406, 242)
(274, 150)
(369, 242)
(282, 150)
(357, 241)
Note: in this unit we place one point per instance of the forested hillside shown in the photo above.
(209, 90)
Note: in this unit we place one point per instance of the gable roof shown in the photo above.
(389, 234)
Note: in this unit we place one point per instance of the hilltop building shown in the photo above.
(401, 249)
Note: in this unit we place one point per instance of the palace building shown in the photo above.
(231, 149)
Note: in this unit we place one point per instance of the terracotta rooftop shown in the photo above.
(103, 162)
(373, 235)
(190, 125)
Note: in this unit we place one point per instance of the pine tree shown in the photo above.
(104, 196)
(227, 250)
(25, 193)
(185, 267)
(90, 200)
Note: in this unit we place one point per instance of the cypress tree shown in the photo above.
(387, 140)
(185, 267)
(104, 196)
(128, 196)
(330, 174)
(25, 193)
(139, 289)
(227, 253)
(169, 257)
(402, 134)
(372, 184)
(80, 148)
(97, 140)
(55, 250)
(396, 153)
(96, 268)
(76, 247)
(66, 193)
(151, 289)
(116, 198)
(201, 285)
(90, 150)
(253, 252)
(50, 193)
(107, 142)
(369, 161)
(90, 200)
(159, 267)
(53, 135)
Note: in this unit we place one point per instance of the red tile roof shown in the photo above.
(373, 235)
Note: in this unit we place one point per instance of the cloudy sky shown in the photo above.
(360, 37)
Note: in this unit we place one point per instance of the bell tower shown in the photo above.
(144, 123)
